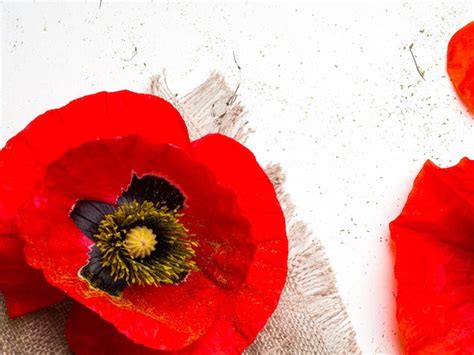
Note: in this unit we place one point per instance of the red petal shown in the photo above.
(248, 308)
(461, 64)
(18, 279)
(25, 157)
(435, 261)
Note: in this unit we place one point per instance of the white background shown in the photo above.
(332, 91)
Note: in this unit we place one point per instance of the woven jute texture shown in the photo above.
(310, 318)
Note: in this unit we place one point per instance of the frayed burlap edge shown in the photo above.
(310, 317)
(210, 108)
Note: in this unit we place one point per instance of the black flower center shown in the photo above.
(141, 241)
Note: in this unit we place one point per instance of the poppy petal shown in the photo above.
(25, 157)
(25, 290)
(434, 261)
(237, 169)
(87, 214)
(460, 64)
(98, 276)
(18, 279)
(156, 190)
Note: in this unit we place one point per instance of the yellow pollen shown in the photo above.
(140, 242)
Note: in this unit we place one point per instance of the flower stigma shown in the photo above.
(140, 242)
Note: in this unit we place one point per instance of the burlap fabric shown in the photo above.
(310, 318)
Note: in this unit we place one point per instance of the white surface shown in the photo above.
(332, 92)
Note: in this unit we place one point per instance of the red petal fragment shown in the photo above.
(434, 267)
(461, 64)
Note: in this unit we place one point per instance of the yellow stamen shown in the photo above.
(124, 259)
(140, 242)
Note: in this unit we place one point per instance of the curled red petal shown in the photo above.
(434, 248)
(25, 157)
(460, 64)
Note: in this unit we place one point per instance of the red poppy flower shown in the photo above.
(165, 244)
(461, 64)
(434, 245)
